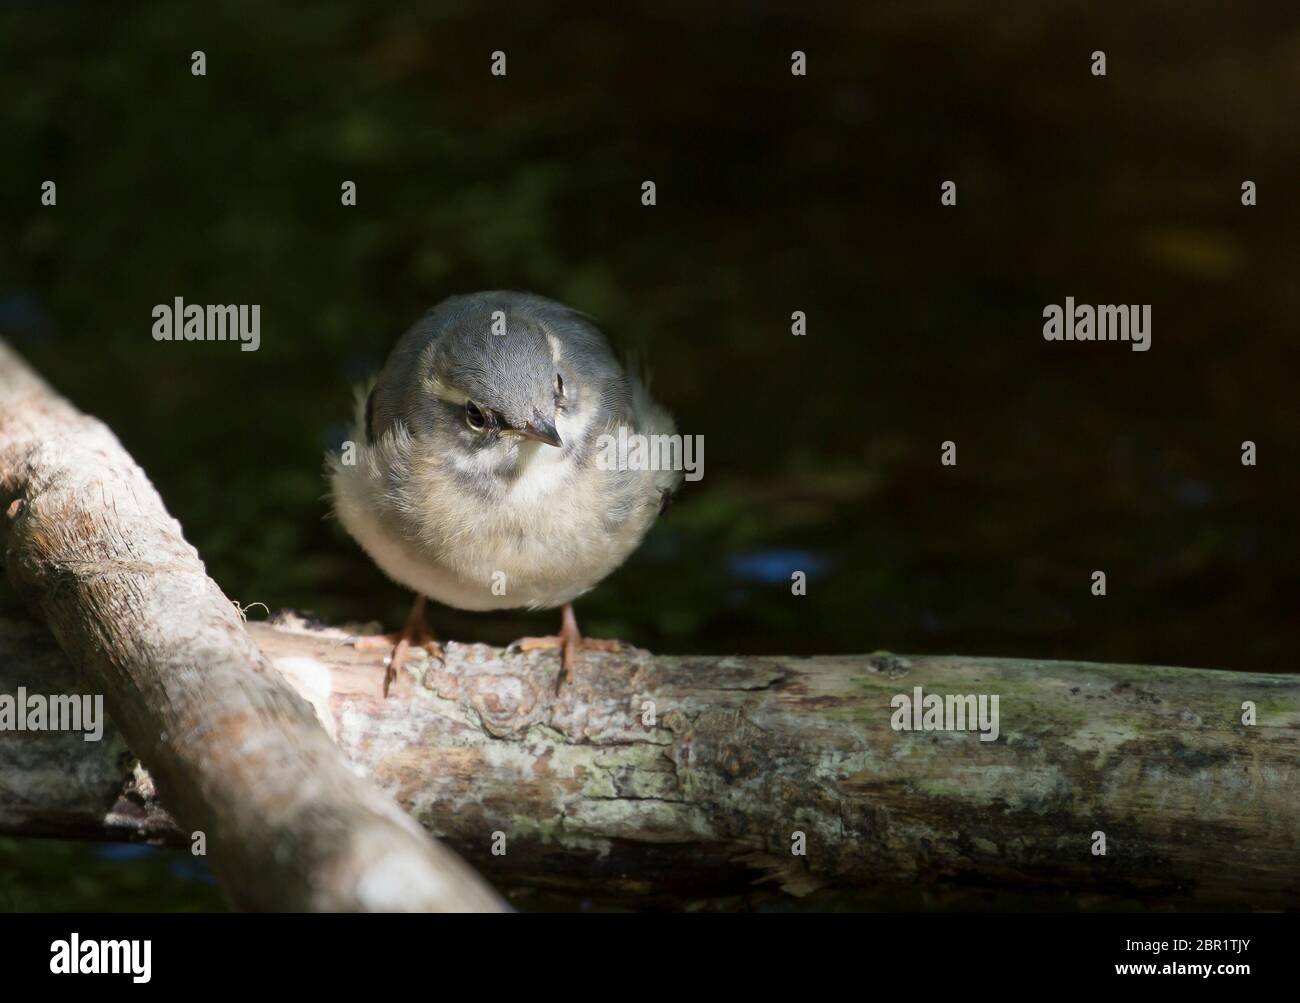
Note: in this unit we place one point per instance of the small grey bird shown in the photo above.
(476, 479)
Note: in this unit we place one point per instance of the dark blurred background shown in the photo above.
(776, 193)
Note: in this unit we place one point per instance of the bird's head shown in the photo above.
(496, 378)
(493, 373)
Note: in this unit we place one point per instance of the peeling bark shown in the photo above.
(237, 754)
(701, 805)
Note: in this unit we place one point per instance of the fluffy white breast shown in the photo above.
(556, 530)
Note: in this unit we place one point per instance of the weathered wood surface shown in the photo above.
(237, 754)
(1197, 808)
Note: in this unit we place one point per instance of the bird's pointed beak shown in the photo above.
(542, 429)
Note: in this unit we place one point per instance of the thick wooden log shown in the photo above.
(237, 754)
(672, 780)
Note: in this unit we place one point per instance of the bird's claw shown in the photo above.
(569, 646)
(415, 634)
(402, 651)
(524, 644)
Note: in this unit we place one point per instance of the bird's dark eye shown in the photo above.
(559, 385)
(474, 417)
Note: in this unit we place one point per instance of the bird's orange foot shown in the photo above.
(416, 634)
(569, 641)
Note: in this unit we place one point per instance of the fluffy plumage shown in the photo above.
(444, 508)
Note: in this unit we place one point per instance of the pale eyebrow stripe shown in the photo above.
(442, 391)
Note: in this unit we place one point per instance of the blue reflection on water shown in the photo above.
(771, 566)
(125, 851)
(183, 866)
(193, 869)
